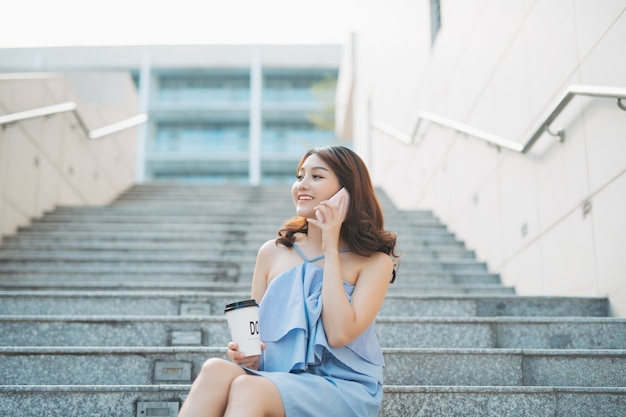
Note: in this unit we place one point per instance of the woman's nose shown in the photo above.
(303, 184)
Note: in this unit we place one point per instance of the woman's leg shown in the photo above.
(254, 396)
(209, 393)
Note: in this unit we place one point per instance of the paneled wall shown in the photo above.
(550, 222)
(48, 161)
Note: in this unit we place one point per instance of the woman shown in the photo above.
(316, 361)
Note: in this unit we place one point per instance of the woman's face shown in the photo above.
(315, 183)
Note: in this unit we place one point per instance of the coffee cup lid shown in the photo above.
(240, 304)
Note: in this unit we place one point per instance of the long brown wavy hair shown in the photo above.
(363, 228)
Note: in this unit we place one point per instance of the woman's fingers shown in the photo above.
(233, 351)
(251, 362)
(240, 359)
(325, 214)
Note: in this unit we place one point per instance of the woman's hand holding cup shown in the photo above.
(251, 362)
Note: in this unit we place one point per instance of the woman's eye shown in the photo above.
(299, 177)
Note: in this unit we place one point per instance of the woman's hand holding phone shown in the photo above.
(335, 201)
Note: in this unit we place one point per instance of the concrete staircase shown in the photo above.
(111, 312)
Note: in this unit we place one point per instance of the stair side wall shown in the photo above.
(47, 161)
(551, 222)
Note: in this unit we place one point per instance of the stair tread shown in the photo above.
(142, 252)
(174, 302)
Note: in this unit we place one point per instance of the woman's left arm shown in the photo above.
(344, 321)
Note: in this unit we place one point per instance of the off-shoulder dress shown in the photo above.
(313, 378)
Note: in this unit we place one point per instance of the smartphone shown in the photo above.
(334, 201)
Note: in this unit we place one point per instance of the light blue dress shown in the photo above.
(313, 378)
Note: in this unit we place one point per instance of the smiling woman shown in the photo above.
(141, 22)
(344, 265)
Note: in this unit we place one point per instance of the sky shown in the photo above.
(36, 23)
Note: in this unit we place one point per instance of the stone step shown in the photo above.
(262, 226)
(29, 273)
(114, 281)
(166, 259)
(203, 231)
(156, 303)
(408, 277)
(188, 213)
(99, 281)
(130, 274)
(208, 214)
(232, 221)
(451, 367)
(232, 255)
(232, 251)
(214, 268)
(467, 401)
(229, 218)
(212, 303)
(434, 401)
(399, 332)
(246, 239)
(447, 289)
(210, 209)
(202, 211)
(176, 188)
(228, 244)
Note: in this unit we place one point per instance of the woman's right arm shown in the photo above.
(261, 269)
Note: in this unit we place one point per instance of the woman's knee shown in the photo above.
(214, 364)
(255, 392)
(244, 386)
(220, 368)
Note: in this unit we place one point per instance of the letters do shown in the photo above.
(254, 327)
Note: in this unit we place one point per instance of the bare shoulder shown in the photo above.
(268, 246)
(380, 261)
(270, 250)
(377, 267)
(274, 258)
(382, 258)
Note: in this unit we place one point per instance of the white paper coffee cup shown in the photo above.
(243, 320)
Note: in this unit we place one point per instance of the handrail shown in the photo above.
(544, 126)
(71, 106)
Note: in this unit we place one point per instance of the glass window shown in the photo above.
(195, 88)
(200, 138)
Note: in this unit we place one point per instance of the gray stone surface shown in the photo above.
(503, 332)
(606, 368)
(483, 306)
(498, 332)
(108, 330)
(457, 342)
(117, 281)
(95, 280)
(120, 302)
(503, 401)
(447, 289)
(452, 367)
(101, 365)
(173, 303)
(114, 401)
(81, 401)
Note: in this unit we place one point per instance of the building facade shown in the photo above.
(217, 113)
